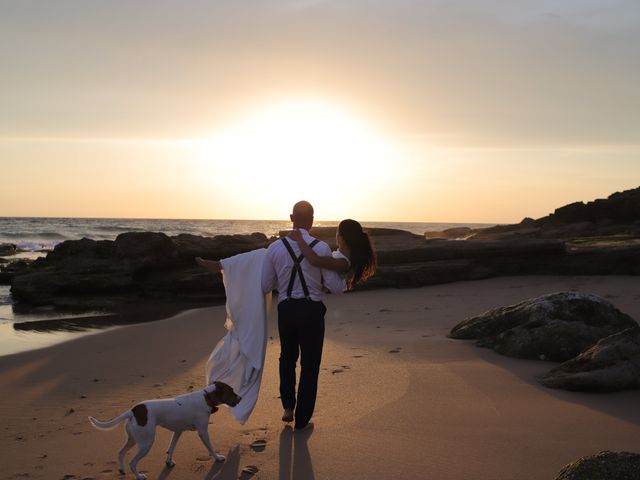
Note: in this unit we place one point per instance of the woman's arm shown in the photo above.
(210, 265)
(339, 265)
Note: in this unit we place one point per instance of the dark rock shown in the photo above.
(135, 265)
(457, 250)
(452, 233)
(149, 248)
(214, 248)
(618, 214)
(603, 466)
(611, 364)
(553, 327)
(8, 249)
(12, 268)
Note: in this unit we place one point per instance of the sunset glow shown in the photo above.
(424, 111)
(300, 149)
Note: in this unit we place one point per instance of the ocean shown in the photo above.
(35, 236)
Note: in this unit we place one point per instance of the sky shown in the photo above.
(424, 110)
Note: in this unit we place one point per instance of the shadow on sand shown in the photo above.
(295, 460)
(620, 404)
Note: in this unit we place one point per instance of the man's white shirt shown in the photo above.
(278, 265)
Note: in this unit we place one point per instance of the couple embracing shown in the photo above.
(302, 269)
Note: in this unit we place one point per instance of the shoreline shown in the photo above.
(397, 398)
(38, 334)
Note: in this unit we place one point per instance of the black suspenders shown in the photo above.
(297, 269)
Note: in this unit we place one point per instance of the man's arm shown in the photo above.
(333, 281)
(268, 273)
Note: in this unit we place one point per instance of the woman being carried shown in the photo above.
(355, 257)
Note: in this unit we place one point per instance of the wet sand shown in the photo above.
(397, 398)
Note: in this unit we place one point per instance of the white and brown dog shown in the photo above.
(187, 412)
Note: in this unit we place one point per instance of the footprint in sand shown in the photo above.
(69, 412)
(385, 310)
(203, 459)
(357, 356)
(248, 472)
(333, 372)
(396, 350)
(259, 445)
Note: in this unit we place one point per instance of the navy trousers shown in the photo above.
(301, 327)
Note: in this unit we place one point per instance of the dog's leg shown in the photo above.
(145, 439)
(172, 447)
(203, 433)
(130, 442)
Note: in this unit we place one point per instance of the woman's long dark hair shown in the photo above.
(362, 255)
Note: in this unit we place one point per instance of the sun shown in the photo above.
(301, 149)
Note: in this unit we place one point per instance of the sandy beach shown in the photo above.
(397, 398)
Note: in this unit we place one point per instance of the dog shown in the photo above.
(186, 412)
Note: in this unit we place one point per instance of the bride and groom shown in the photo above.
(302, 269)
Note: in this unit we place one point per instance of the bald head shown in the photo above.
(302, 216)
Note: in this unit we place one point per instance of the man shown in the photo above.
(300, 314)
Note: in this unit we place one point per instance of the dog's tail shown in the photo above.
(111, 423)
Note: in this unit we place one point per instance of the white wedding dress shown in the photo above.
(238, 359)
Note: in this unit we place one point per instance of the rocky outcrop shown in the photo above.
(553, 327)
(135, 265)
(611, 364)
(7, 249)
(9, 269)
(456, 233)
(603, 466)
(153, 265)
(619, 214)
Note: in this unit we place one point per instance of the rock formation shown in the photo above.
(611, 364)
(619, 214)
(603, 466)
(554, 327)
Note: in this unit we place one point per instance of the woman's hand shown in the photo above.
(296, 236)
